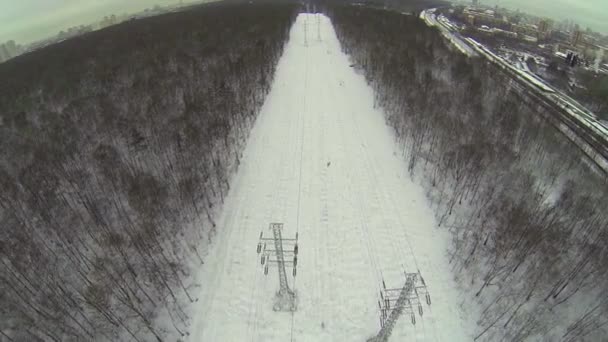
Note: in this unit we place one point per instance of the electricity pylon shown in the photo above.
(394, 301)
(317, 15)
(285, 299)
(306, 31)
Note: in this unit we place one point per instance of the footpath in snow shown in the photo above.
(321, 160)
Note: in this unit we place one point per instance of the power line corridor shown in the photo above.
(321, 161)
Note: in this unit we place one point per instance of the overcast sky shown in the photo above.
(29, 20)
(591, 13)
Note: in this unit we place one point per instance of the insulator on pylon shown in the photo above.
(383, 284)
(379, 305)
(420, 309)
(428, 299)
(261, 233)
(266, 270)
(262, 259)
(259, 248)
(294, 272)
(381, 295)
(295, 261)
(295, 249)
(413, 319)
(388, 303)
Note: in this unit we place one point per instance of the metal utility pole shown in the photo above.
(306, 31)
(318, 26)
(278, 246)
(285, 299)
(394, 301)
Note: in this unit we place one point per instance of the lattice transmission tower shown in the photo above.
(285, 299)
(394, 302)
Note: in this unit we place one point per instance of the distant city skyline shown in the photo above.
(26, 21)
(586, 13)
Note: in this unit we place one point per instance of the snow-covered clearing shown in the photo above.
(321, 160)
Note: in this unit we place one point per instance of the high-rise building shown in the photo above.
(3, 53)
(9, 50)
(544, 28)
(544, 25)
(577, 37)
(471, 20)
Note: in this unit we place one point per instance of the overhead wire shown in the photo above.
(303, 116)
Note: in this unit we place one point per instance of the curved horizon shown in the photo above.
(29, 21)
(586, 13)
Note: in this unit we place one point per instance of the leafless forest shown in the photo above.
(116, 147)
(527, 213)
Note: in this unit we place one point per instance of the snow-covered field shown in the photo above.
(321, 160)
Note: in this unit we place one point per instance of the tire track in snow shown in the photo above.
(260, 281)
(221, 247)
(356, 198)
(279, 213)
(272, 214)
(343, 273)
(401, 238)
(326, 264)
(291, 204)
(258, 284)
(348, 220)
(302, 115)
(315, 224)
(329, 206)
(390, 230)
(384, 228)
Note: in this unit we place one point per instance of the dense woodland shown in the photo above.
(528, 214)
(116, 148)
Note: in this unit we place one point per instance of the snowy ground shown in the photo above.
(321, 160)
(442, 24)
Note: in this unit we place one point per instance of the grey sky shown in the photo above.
(587, 13)
(29, 20)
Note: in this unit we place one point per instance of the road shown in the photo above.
(454, 37)
(576, 122)
(321, 160)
